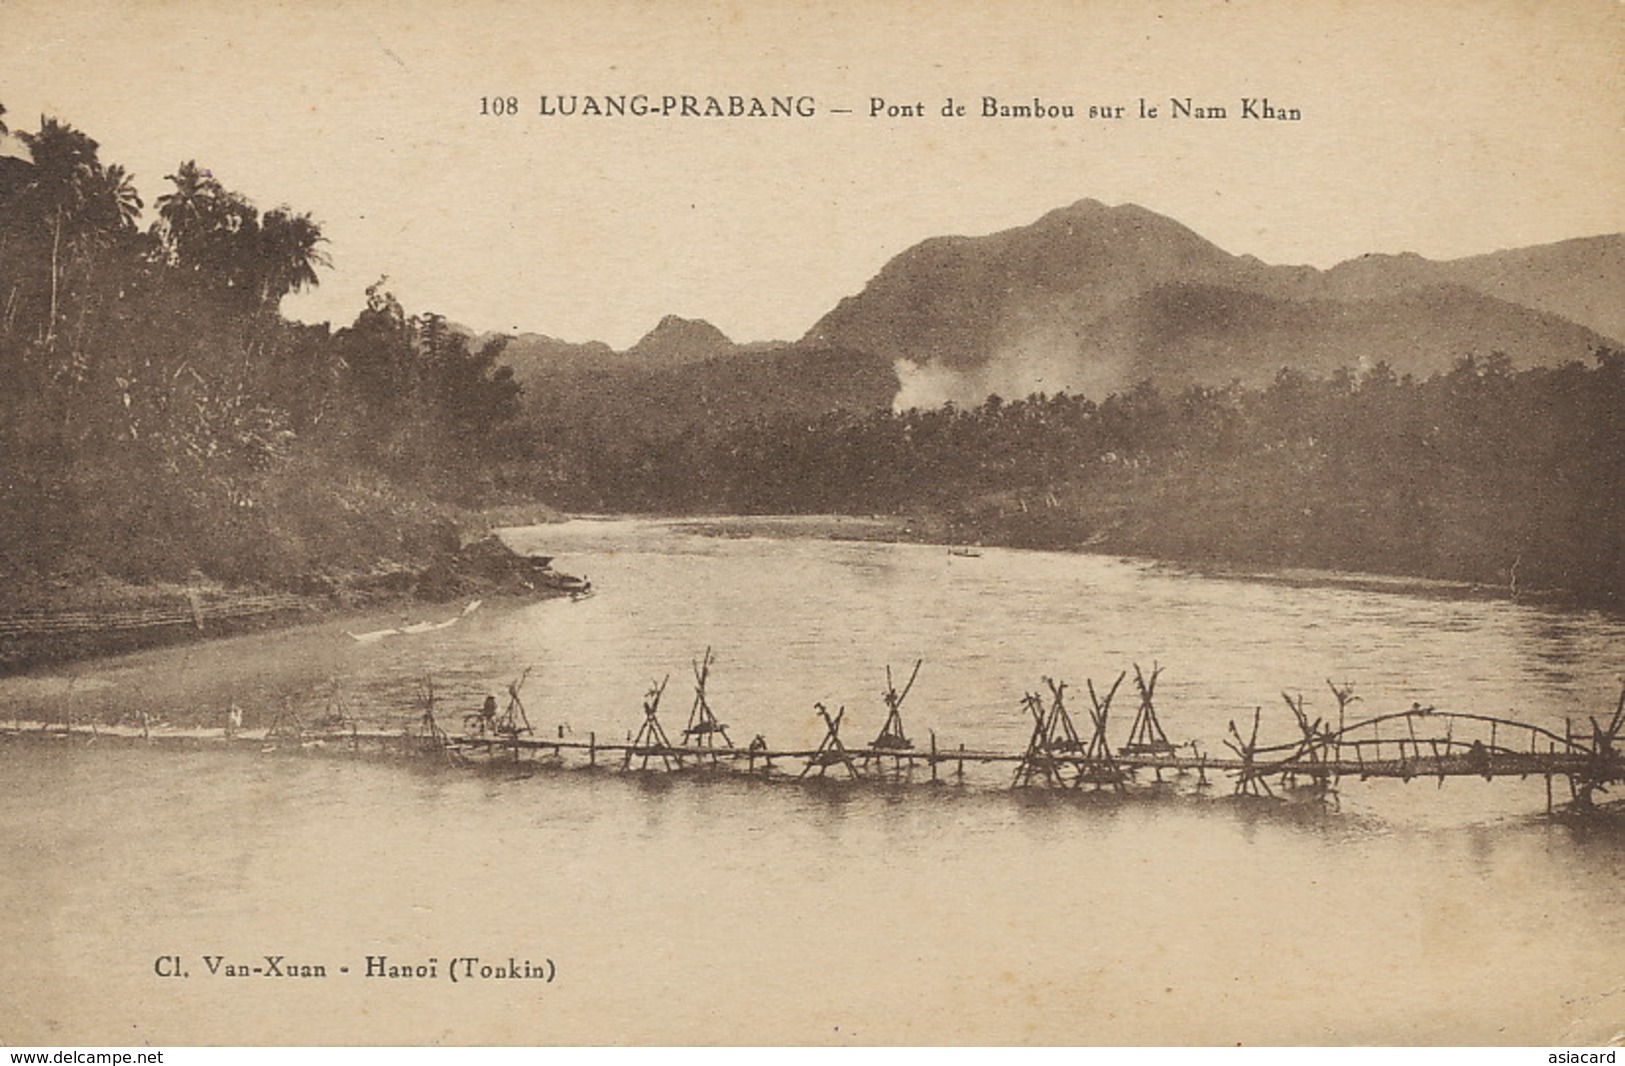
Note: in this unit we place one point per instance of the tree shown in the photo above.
(208, 230)
(116, 201)
(288, 255)
(470, 394)
(66, 173)
(377, 351)
(181, 213)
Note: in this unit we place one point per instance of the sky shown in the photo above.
(1445, 128)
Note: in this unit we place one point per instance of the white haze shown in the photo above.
(1047, 358)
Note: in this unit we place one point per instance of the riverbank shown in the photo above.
(72, 616)
(826, 527)
(967, 538)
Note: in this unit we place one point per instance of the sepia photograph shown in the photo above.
(809, 523)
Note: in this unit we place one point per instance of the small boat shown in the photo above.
(965, 553)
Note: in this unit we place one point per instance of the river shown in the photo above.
(715, 911)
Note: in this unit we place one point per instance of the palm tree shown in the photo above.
(288, 255)
(181, 213)
(65, 173)
(64, 165)
(118, 197)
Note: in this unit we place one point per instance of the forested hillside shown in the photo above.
(1483, 473)
(160, 418)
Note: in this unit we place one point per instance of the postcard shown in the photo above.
(807, 522)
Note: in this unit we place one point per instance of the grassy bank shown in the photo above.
(77, 614)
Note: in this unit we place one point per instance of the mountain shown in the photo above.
(676, 341)
(1581, 280)
(535, 357)
(1091, 298)
(542, 361)
(721, 391)
(955, 300)
(686, 372)
(1183, 334)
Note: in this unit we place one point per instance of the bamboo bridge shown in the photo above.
(1417, 743)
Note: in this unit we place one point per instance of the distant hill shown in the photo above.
(1092, 298)
(684, 372)
(678, 341)
(724, 390)
(955, 301)
(1582, 280)
(1181, 334)
(538, 359)
(535, 357)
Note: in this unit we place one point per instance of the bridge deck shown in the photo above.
(1424, 757)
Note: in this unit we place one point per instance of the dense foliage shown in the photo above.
(1481, 474)
(161, 417)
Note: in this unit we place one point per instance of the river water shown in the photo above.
(715, 911)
